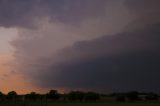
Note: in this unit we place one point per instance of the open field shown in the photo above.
(84, 104)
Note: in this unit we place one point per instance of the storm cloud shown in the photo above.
(143, 6)
(128, 61)
(101, 45)
(28, 13)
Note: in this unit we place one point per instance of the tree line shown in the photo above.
(52, 95)
(76, 96)
(135, 96)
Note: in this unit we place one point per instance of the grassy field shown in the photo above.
(84, 104)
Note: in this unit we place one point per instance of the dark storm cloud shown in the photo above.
(147, 13)
(60, 55)
(15, 12)
(127, 61)
(74, 10)
(25, 12)
(144, 6)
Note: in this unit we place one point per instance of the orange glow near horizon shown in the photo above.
(10, 80)
(13, 81)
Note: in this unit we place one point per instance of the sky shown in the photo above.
(91, 45)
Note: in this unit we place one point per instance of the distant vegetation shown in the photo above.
(53, 96)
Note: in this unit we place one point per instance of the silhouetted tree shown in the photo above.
(32, 96)
(2, 96)
(53, 95)
(12, 95)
